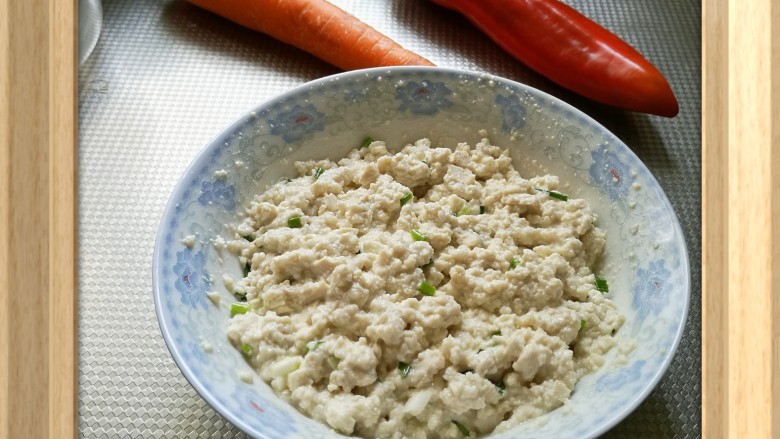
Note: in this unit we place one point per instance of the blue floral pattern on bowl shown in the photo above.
(217, 193)
(298, 123)
(424, 98)
(652, 289)
(514, 112)
(649, 281)
(610, 173)
(192, 279)
(615, 381)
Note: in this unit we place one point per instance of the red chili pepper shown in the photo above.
(563, 45)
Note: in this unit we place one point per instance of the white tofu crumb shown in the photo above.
(346, 299)
(636, 186)
(214, 297)
(206, 346)
(189, 241)
(229, 282)
(483, 132)
(219, 244)
(634, 229)
(221, 174)
(632, 204)
(247, 377)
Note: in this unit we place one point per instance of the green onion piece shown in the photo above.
(465, 210)
(294, 222)
(495, 333)
(240, 295)
(480, 350)
(404, 369)
(481, 209)
(313, 345)
(247, 267)
(429, 165)
(406, 198)
(367, 142)
(514, 263)
(501, 387)
(246, 349)
(462, 428)
(582, 324)
(239, 308)
(554, 194)
(318, 172)
(426, 289)
(601, 285)
(558, 195)
(418, 235)
(249, 238)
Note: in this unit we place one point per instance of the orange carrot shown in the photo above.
(318, 27)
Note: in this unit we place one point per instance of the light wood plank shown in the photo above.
(63, 219)
(37, 219)
(775, 214)
(28, 281)
(5, 215)
(750, 221)
(715, 419)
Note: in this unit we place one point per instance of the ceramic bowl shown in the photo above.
(645, 258)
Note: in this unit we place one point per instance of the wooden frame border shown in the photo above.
(741, 207)
(38, 220)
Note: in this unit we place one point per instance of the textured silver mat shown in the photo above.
(165, 77)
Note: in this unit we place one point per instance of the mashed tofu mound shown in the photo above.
(468, 307)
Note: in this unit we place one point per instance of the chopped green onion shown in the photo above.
(554, 194)
(481, 209)
(501, 387)
(559, 195)
(601, 285)
(480, 350)
(582, 324)
(313, 345)
(406, 198)
(495, 333)
(404, 369)
(246, 349)
(294, 222)
(462, 428)
(426, 289)
(318, 172)
(429, 165)
(465, 210)
(249, 238)
(418, 235)
(239, 308)
(247, 267)
(240, 295)
(367, 142)
(514, 263)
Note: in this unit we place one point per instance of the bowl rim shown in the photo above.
(204, 154)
